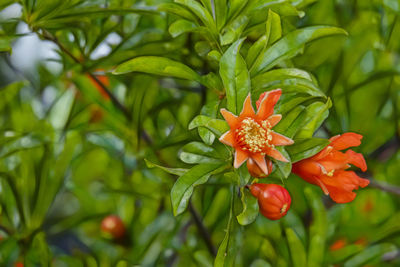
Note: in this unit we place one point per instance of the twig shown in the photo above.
(203, 230)
(385, 187)
(48, 36)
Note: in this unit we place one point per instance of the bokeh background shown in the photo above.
(70, 155)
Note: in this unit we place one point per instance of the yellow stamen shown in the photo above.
(256, 137)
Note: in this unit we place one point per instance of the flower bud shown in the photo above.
(113, 227)
(256, 171)
(273, 200)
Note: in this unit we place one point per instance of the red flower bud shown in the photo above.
(256, 171)
(113, 226)
(273, 200)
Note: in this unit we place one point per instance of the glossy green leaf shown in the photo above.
(178, 10)
(305, 148)
(297, 250)
(210, 110)
(184, 186)
(317, 112)
(250, 208)
(234, 30)
(175, 171)
(60, 111)
(159, 66)
(284, 168)
(318, 229)
(369, 254)
(217, 126)
(202, 13)
(235, 77)
(290, 80)
(273, 27)
(290, 44)
(227, 250)
(181, 26)
(196, 152)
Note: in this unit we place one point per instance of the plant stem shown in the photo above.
(203, 230)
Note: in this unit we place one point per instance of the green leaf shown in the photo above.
(184, 186)
(305, 148)
(5, 44)
(284, 168)
(200, 12)
(316, 114)
(158, 66)
(235, 77)
(61, 110)
(233, 31)
(181, 26)
(369, 254)
(175, 171)
(291, 80)
(291, 122)
(255, 50)
(227, 250)
(217, 126)
(25, 142)
(177, 10)
(8, 92)
(250, 207)
(273, 27)
(288, 46)
(211, 110)
(318, 229)
(220, 13)
(297, 250)
(196, 152)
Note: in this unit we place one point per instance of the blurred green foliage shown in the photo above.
(78, 143)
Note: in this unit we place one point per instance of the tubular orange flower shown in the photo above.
(251, 134)
(327, 169)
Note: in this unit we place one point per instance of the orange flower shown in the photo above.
(251, 135)
(327, 169)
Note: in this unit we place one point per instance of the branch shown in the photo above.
(203, 230)
(385, 187)
(48, 36)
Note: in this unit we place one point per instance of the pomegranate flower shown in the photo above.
(327, 169)
(251, 133)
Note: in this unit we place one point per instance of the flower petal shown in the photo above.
(341, 185)
(248, 110)
(260, 160)
(274, 119)
(345, 140)
(273, 153)
(228, 138)
(356, 159)
(267, 105)
(240, 157)
(230, 118)
(280, 140)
